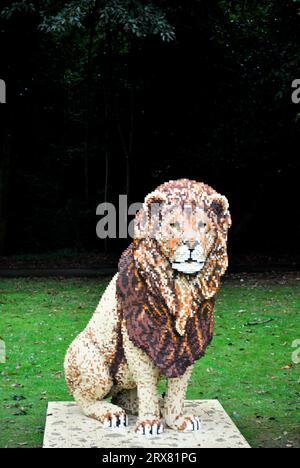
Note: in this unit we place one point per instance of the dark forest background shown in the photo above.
(109, 97)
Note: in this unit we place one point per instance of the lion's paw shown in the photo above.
(187, 424)
(115, 420)
(149, 427)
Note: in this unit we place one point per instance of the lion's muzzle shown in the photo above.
(189, 261)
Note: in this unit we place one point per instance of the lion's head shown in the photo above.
(186, 219)
(180, 245)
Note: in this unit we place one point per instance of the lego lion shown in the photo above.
(156, 316)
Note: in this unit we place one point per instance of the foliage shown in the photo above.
(21, 7)
(271, 27)
(140, 18)
(248, 367)
(105, 85)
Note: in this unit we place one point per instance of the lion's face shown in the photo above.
(186, 237)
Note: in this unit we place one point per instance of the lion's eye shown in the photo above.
(202, 225)
(175, 225)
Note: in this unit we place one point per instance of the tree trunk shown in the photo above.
(131, 139)
(127, 144)
(94, 15)
(107, 83)
(106, 95)
(88, 112)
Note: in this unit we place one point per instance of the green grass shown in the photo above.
(245, 368)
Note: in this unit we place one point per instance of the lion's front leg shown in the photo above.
(173, 410)
(146, 376)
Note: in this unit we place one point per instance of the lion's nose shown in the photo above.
(191, 243)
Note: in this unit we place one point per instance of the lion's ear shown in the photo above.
(219, 206)
(155, 197)
(148, 219)
(153, 203)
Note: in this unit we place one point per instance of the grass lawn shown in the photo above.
(248, 367)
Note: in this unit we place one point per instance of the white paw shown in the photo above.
(186, 424)
(115, 421)
(193, 423)
(150, 428)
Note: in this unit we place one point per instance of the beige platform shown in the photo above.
(67, 427)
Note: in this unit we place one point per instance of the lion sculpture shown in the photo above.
(156, 316)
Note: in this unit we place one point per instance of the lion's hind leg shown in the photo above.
(128, 400)
(111, 416)
(89, 381)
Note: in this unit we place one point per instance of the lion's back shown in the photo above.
(105, 321)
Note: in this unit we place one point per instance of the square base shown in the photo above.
(68, 427)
